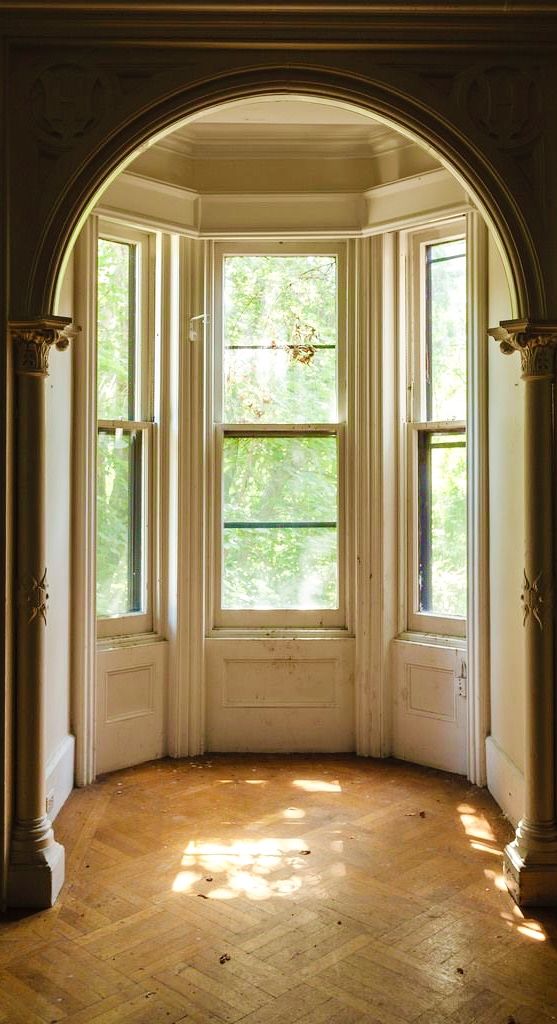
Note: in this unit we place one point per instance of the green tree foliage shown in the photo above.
(280, 366)
(280, 480)
(280, 337)
(446, 311)
(115, 329)
(116, 451)
(446, 386)
(448, 526)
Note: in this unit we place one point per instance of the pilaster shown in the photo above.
(36, 871)
(530, 863)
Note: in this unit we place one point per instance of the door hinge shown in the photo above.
(462, 679)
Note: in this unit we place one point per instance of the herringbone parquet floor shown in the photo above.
(269, 890)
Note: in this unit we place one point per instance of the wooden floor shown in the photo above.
(268, 890)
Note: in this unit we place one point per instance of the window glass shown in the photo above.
(116, 330)
(445, 368)
(280, 522)
(280, 338)
(119, 522)
(442, 522)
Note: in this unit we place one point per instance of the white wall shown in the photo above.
(59, 741)
(505, 746)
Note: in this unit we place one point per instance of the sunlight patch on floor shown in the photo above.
(528, 927)
(475, 823)
(317, 786)
(257, 870)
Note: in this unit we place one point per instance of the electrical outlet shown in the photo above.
(49, 801)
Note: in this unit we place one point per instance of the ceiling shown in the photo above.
(283, 124)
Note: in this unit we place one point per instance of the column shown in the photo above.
(36, 871)
(530, 862)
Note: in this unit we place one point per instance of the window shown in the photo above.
(124, 432)
(437, 432)
(278, 431)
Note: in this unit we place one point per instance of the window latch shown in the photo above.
(193, 333)
(462, 678)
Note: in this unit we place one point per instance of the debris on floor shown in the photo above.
(223, 959)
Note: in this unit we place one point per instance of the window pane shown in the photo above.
(442, 523)
(446, 330)
(119, 522)
(116, 330)
(280, 337)
(280, 522)
(280, 568)
(269, 386)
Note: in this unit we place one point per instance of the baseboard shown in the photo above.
(505, 781)
(60, 776)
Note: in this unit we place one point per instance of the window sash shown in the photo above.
(419, 620)
(141, 516)
(283, 617)
(418, 330)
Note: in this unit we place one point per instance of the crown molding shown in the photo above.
(307, 26)
(437, 177)
(158, 205)
(295, 144)
(406, 7)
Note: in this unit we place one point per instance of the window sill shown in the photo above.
(111, 643)
(432, 639)
(270, 633)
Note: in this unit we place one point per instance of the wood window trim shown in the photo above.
(254, 622)
(144, 621)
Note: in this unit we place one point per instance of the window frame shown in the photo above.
(419, 621)
(276, 620)
(133, 623)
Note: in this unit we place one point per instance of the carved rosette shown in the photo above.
(536, 343)
(503, 101)
(34, 597)
(33, 341)
(532, 599)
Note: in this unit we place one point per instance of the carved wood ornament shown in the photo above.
(536, 343)
(34, 594)
(532, 599)
(66, 101)
(33, 340)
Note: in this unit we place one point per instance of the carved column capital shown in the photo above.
(535, 340)
(33, 340)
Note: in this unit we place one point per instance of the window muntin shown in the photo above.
(279, 387)
(437, 467)
(124, 432)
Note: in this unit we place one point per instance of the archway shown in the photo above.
(400, 112)
(397, 109)
(365, 746)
